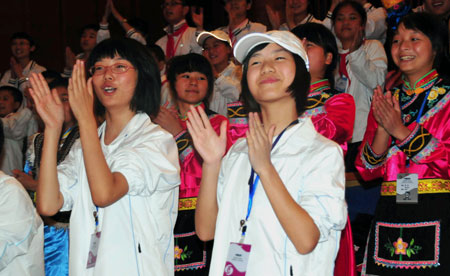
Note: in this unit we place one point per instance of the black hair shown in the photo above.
(190, 63)
(139, 25)
(23, 35)
(91, 26)
(157, 52)
(355, 5)
(323, 37)
(436, 31)
(51, 74)
(225, 1)
(16, 93)
(59, 82)
(298, 89)
(147, 94)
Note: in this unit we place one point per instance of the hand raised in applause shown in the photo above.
(259, 143)
(47, 103)
(208, 144)
(81, 96)
(274, 17)
(387, 113)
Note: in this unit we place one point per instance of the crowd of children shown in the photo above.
(230, 151)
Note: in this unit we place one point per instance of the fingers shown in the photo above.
(223, 130)
(90, 88)
(56, 96)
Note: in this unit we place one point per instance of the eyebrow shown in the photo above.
(273, 52)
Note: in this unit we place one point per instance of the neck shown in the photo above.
(413, 78)
(86, 55)
(116, 120)
(67, 126)
(172, 25)
(346, 44)
(23, 61)
(271, 115)
(317, 78)
(183, 108)
(221, 66)
(298, 18)
(236, 21)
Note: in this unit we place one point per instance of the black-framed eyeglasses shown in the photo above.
(117, 68)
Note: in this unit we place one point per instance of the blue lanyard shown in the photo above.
(253, 182)
(423, 106)
(96, 218)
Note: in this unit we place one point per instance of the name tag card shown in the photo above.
(407, 188)
(237, 260)
(93, 249)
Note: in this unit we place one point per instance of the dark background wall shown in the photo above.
(55, 24)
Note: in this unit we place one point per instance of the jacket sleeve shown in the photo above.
(369, 64)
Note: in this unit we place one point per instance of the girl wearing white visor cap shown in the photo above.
(275, 202)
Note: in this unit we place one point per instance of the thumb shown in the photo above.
(223, 130)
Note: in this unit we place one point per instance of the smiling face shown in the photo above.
(437, 7)
(216, 51)
(174, 11)
(191, 87)
(88, 40)
(7, 103)
(115, 90)
(21, 48)
(412, 52)
(348, 23)
(270, 73)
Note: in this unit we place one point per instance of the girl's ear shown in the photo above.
(328, 58)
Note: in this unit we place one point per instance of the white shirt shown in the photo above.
(22, 84)
(227, 88)
(312, 169)
(16, 127)
(308, 19)
(136, 230)
(367, 68)
(21, 231)
(376, 25)
(185, 43)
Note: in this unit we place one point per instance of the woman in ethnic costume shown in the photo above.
(192, 82)
(407, 143)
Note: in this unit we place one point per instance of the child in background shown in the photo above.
(297, 12)
(407, 144)
(21, 64)
(180, 39)
(190, 77)
(18, 124)
(362, 66)
(238, 23)
(120, 180)
(166, 96)
(332, 112)
(56, 230)
(88, 40)
(21, 235)
(218, 50)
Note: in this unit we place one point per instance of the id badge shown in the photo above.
(341, 84)
(237, 260)
(93, 249)
(407, 188)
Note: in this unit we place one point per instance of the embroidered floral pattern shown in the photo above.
(400, 247)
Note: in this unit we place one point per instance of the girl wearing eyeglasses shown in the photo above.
(119, 180)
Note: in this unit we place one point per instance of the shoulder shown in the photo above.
(257, 27)
(373, 44)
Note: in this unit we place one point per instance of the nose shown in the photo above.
(267, 67)
(193, 81)
(108, 75)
